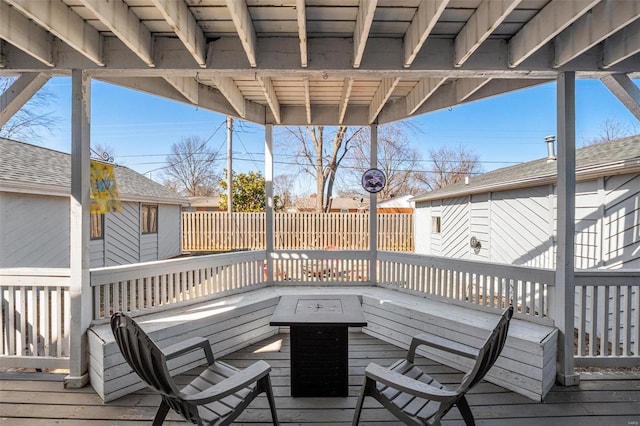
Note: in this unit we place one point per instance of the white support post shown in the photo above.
(268, 187)
(81, 300)
(564, 293)
(373, 211)
(229, 164)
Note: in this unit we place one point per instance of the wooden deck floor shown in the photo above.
(600, 400)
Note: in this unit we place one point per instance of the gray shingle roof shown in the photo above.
(22, 163)
(619, 154)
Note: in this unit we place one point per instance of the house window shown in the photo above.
(97, 226)
(435, 224)
(149, 219)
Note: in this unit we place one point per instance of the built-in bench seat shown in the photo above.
(230, 323)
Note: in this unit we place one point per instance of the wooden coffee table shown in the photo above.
(319, 341)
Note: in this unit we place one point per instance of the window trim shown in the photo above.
(436, 224)
(91, 223)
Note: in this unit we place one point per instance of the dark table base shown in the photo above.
(319, 361)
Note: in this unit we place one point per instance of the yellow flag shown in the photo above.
(104, 190)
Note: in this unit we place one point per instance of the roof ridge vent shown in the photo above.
(551, 155)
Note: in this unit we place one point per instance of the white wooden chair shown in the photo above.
(216, 397)
(416, 398)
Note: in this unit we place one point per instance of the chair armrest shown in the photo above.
(407, 384)
(438, 342)
(230, 385)
(189, 345)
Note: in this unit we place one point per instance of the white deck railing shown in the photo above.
(35, 318)
(607, 317)
(471, 283)
(36, 302)
(165, 284)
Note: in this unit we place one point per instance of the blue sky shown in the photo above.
(502, 130)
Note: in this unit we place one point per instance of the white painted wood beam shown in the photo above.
(466, 87)
(486, 18)
(542, 28)
(384, 91)
(121, 20)
(364, 19)
(605, 19)
(307, 99)
(187, 86)
(184, 24)
(302, 31)
(625, 90)
(230, 90)
(421, 92)
(622, 45)
(244, 26)
(344, 99)
(25, 35)
(19, 94)
(422, 24)
(59, 19)
(272, 98)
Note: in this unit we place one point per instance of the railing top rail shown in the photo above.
(526, 273)
(320, 254)
(18, 277)
(607, 277)
(110, 274)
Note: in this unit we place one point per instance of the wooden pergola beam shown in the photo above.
(272, 97)
(59, 19)
(230, 90)
(621, 45)
(542, 28)
(384, 91)
(19, 94)
(625, 90)
(605, 19)
(486, 18)
(364, 19)
(344, 99)
(119, 18)
(244, 27)
(421, 92)
(25, 35)
(301, 12)
(421, 26)
(187, 86)
(184, 24)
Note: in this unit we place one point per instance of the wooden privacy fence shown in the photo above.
(221, 231)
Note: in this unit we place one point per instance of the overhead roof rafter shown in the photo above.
(272, 98)
(57, 18)
(184, 24)
(604, 20)
(544, 26)
(307, 98)
(25, 35)
(622, 45)
(230, 90)
(479, 27)
(421, 26)
(364, 19)
(344, 98)
(385, 89)
(119, 18)
(187, 86)
(301, 11)
(244, 26)
(421, 92)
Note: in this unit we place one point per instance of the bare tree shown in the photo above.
(33, 118)
(282, 190)
(396, 158)
(319, 155)
(449, 165)
(610, 129)
(192, 167)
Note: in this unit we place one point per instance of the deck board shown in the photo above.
(610, 399)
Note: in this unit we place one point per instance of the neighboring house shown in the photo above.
(508, 215)
(401, 204)
(336, 204)
(34, 213)
(204, 204)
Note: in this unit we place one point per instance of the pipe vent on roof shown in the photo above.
(551, 155)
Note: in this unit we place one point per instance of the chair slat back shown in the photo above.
(489, 352)
(142, 354)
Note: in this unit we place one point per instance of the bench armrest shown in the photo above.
(189, 345)
(440, 343)
(407, 384)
